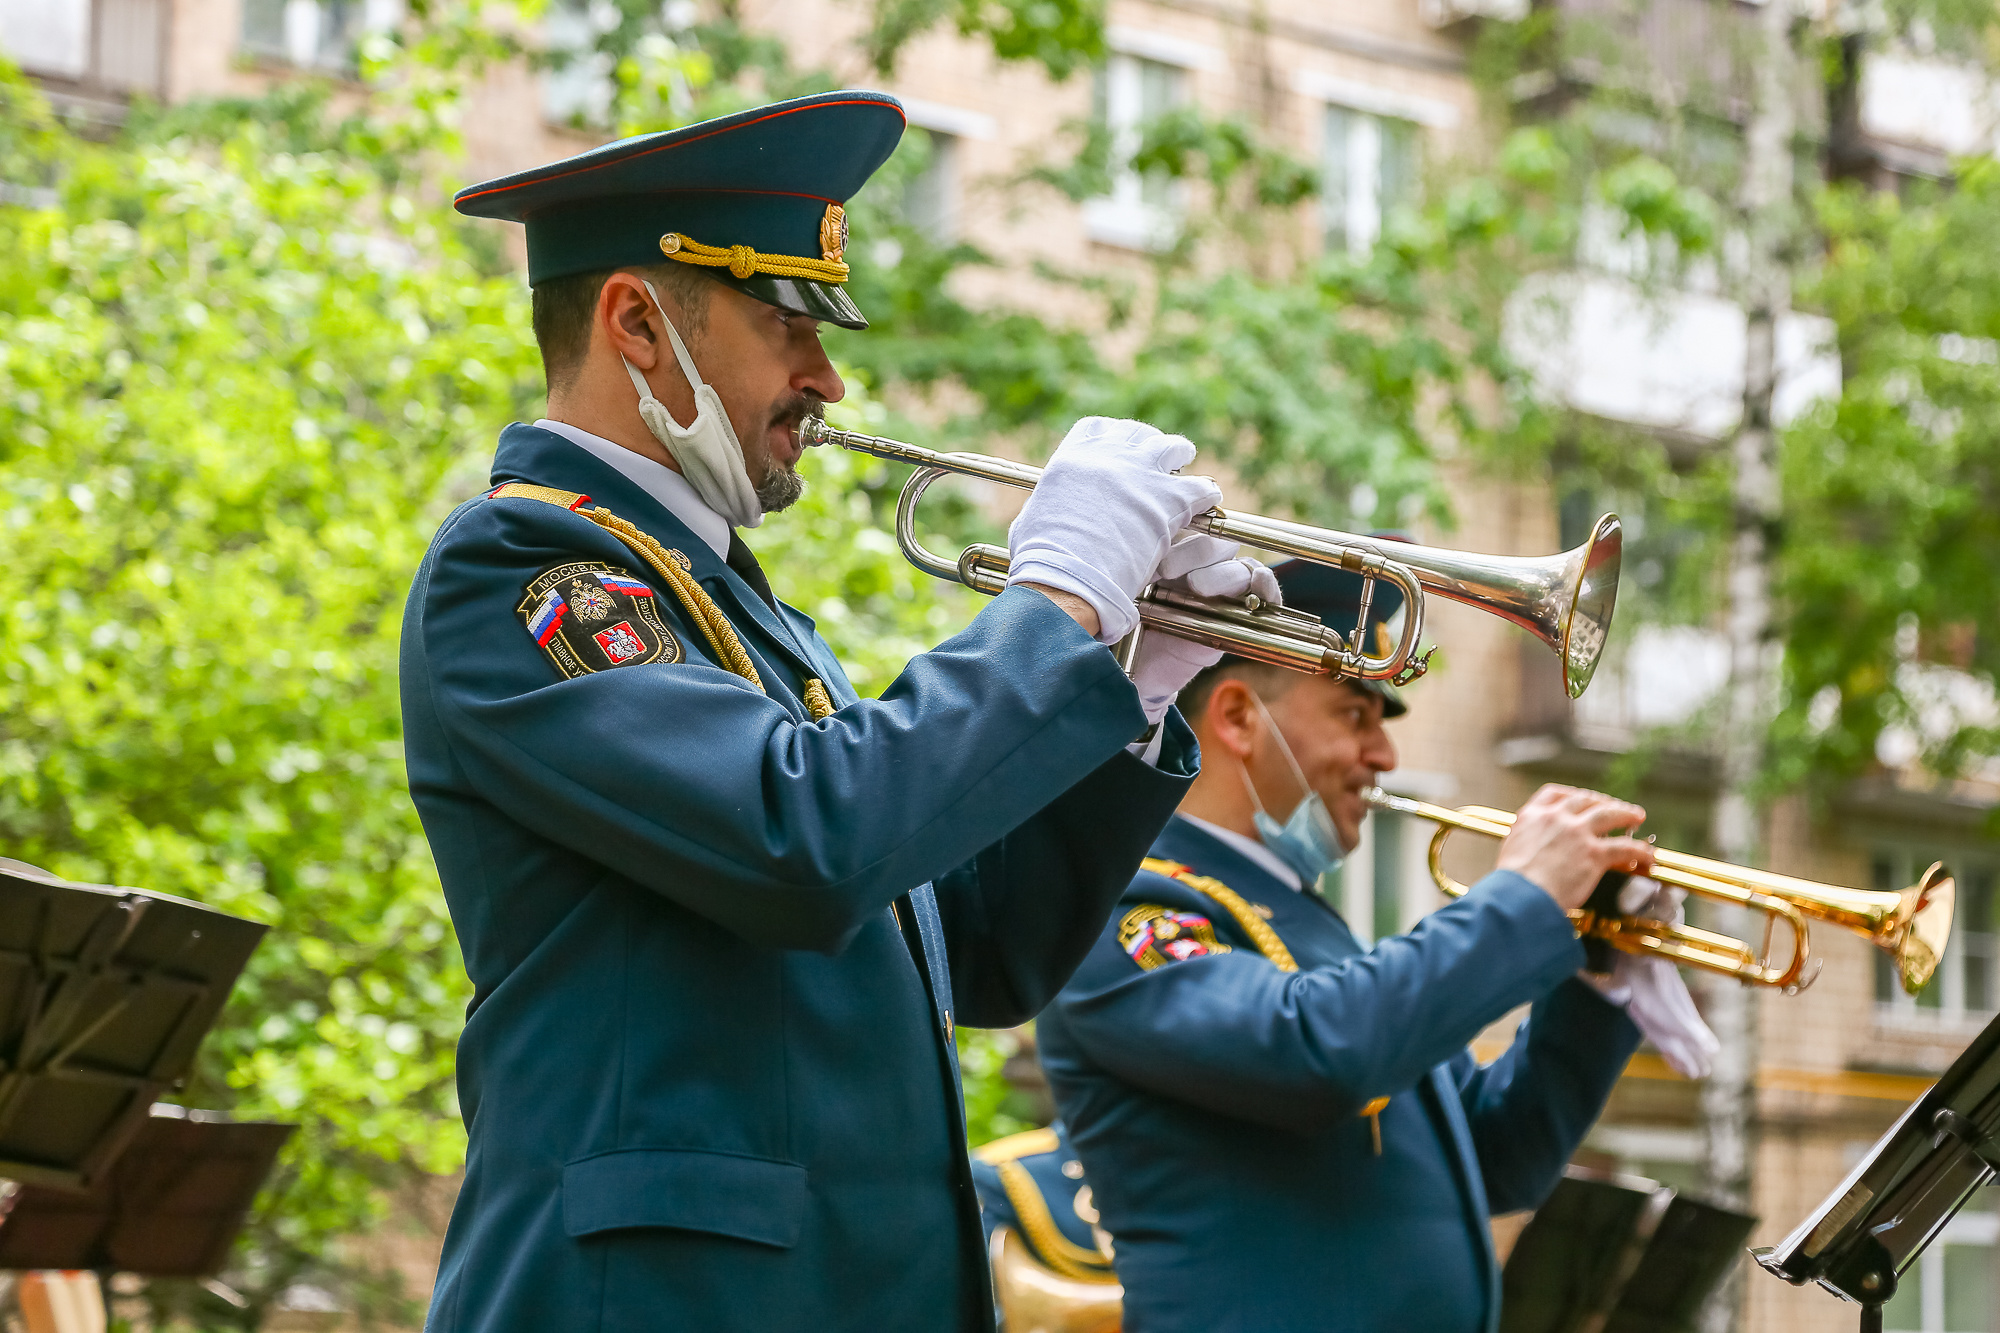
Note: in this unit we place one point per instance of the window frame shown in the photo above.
(333, 48)
(1357, 887)
(1925, 1281)
(1127, 217)
(1364, 163)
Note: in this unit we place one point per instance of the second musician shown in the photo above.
(1284, 1129)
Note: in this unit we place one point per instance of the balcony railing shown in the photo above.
(1671, 52)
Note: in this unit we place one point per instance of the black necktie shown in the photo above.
(744, 561)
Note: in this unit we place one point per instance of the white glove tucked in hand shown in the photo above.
(1651, 988)
(1099, 522)
(1208, 567)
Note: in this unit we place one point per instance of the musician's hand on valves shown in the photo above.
(1207, 567)
(1651, 989)
(1099, 522)
(1562, 840)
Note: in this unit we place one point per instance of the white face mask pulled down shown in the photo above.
(708, 451)
(1307, 841)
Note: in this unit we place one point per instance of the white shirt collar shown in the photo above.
(658, 480)
(1251, 848)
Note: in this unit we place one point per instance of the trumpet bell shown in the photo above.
(1922, 926)
(1034, 1298)
(1565, 600)
(1592, 596)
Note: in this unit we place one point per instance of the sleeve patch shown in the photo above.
(1153, 936)
(588, 617)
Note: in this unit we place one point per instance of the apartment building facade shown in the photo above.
(1372, 90)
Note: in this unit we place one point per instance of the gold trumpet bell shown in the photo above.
(1034, 1298)
(1921, 928)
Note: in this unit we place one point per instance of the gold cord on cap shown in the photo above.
(742, 261)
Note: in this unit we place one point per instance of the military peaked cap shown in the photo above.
(758, 199)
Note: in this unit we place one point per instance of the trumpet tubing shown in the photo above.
(1912, 925)
(1565, 600)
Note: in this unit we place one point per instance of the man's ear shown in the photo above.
(628, 321)
(1230, 718)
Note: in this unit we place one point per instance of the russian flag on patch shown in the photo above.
(543, 626)
(620, 583)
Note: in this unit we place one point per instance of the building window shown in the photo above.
(114, 46)
(1387, 861)
(314, 34)
(577, 87)
(1371, 166)
(1384, 885)
(47, 37)
(1966, 987)
(1951, 1289)
(930, 198)
(1142, 211)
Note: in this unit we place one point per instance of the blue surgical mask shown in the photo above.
(1307, 841)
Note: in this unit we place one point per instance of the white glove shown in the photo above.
(1651, 989)
(1100, 520)
(1208, 567)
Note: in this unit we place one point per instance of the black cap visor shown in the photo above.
(802, 296)
(1392, 698)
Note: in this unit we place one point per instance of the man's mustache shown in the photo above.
(796, 407)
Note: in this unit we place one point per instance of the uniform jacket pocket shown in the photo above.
(750, 1198)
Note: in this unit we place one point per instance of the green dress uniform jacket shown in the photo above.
(719, 947)
(1214, 1097)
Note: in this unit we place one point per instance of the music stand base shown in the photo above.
(1871, 1319)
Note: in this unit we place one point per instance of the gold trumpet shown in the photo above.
(1911, 925)
(1564, 600)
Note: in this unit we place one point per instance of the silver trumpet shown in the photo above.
(1564, 600)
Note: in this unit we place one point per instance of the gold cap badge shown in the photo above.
(833, 233)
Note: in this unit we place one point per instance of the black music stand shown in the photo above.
(1872, 1228)
(170, 1206)
(105, 994)
(1617, 1254)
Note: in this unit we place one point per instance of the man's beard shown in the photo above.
(781, 485)
(781, 488)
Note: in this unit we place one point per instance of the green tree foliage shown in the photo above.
(1882, 560)
(1891, 555)
(234, 380)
